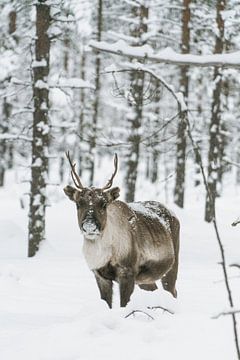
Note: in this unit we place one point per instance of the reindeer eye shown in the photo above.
(103, 205)
(80, 204)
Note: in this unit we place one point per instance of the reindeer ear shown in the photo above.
(70, 191)
(113, 194)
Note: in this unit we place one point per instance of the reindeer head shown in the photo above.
(91, 202)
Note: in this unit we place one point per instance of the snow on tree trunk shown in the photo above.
(135, 112)
(3, 144)
(181, 133)
(6, 149)
(215, 128)
(39, 167)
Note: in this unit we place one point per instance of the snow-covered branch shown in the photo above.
(227, 312)
(14, 137)
(73, 83)
(167, 55)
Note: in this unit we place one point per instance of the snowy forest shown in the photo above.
(157, 83)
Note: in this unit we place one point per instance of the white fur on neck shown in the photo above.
(112, 244)
(97, 253)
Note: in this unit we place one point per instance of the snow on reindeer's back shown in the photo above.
(153, 210)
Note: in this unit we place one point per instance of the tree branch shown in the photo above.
(167, 56)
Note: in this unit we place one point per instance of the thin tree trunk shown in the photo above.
(181, 134)
(39, 168)
(214, 153)
(3, 145)
(81, 157)
(156, 141)
(6, 150)
(97, 94)
(135, 113)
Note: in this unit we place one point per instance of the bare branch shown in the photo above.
(236, 222)
(161, 307)
(235, 265)
(14, 137)
(139, 311)
(224, 313)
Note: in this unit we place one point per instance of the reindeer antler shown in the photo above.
(75, 177)
(110, 181)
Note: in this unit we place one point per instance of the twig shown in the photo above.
(139, 311)
(224, 313)
(235, 265)
(236, 222)
(161, 307)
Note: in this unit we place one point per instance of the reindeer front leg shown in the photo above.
(126, 280)
(105, 287)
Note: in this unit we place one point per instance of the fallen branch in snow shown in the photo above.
(160, 307)
(235, 265)
(236, 222)
(224, 313)
(139, 311)
(167, 55)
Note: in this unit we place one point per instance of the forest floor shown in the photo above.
(50, 308)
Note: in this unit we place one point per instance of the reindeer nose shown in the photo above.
(89, 227)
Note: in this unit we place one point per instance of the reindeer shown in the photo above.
(130, 243)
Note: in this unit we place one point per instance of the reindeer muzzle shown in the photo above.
(90, 228)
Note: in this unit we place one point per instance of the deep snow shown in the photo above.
(50, 308)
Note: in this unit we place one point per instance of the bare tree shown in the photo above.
(39, 167)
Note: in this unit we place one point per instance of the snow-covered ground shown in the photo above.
(50, 308)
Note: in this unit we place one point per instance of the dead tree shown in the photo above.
(181, 133)
(215, 138)
(39, 167)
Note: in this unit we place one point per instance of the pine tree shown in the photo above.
(215, 128)
(40, 142)
(181, 134)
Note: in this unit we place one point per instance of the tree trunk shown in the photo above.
(135, 113)
(39, 168)
(181, 133)
(97, 94)
(81, 157)
(3, 143)
(215, 146)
